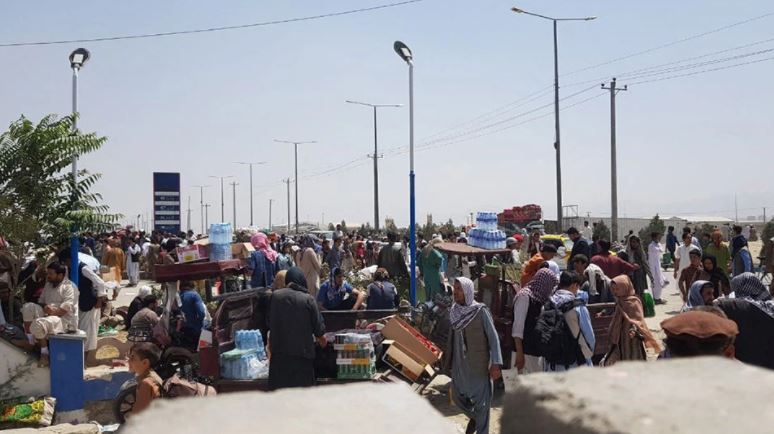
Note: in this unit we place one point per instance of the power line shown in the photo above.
(629, 74)
(511, 118)
(210, 29)
(702, 71)
(670, 44)
(498, 111)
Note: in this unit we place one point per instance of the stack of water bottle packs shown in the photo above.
(220, 241)
(248, 360)
(486, 235)
(355, 357)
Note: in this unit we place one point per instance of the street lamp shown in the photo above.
(78, 58)
(557, 143)
(376, 157)
(295, 149)
(405, 53)
(251, 185)
(222, 206)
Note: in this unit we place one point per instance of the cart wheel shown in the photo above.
(124, 403)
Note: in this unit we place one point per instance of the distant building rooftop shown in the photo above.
(704, 218)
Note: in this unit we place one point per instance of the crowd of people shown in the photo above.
(726, 309)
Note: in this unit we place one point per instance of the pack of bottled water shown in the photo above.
(486, 235)
(251, 340)
(221, 233)
(220, 241)
(248, 361)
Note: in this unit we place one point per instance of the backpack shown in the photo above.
(556, 343)
(178, 387)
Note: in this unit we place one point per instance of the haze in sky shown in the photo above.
(195, 104)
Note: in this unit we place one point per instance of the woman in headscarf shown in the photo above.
(263, 262)
(637, 256)
(430, 264)
(136, 304)
(741, 259)
(702, 293)
(628, 332)
(717, 276)
(309, 264)
(285, 258)
(294, 323)
(475, 357)
(526, 309)
(748, 286)
(751, 307)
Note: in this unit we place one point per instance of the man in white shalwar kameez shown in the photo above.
(655, 253)
(133, 262)
(92, 295)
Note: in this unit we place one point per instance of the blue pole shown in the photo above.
(412, 205)
(413, 242)
(74, 235)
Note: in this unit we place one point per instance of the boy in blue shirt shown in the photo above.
(337, 294)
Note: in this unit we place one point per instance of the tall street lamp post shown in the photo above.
(376, 157)
(78, 58)
(405, 53)
(557, 142)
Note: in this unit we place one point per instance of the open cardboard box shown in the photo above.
(413, 342)
(401, 359)
(241, 250)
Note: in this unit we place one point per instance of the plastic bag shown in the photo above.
(648, 304)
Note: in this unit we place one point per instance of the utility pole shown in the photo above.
(207, 215)
(287, 181)
(201, 205)
(295, 157)
(233, 198)
(270, 201)
(764, 215)
(613, 162)
(375, 156)
(189, 213)
(222, 203)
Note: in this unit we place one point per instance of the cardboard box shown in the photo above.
(191, 253)
(241, 250)
(399, 358)
(411, 341)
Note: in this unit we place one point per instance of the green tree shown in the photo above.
(343, 226)
(655, 225)
(37, 203)
(365, 230)
(448, 228)
(391, 227)
(427, 231)
(601, 231)
(331, 227)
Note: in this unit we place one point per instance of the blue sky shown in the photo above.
(197, 103)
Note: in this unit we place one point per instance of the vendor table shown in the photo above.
(197, 270)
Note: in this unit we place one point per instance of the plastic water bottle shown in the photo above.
(239, 339)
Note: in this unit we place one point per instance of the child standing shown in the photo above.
(142, 357)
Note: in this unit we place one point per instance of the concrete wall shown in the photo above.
(20, 374)
(710, 395)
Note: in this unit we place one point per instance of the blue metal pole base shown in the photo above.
(74, 247)
(413, 240)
